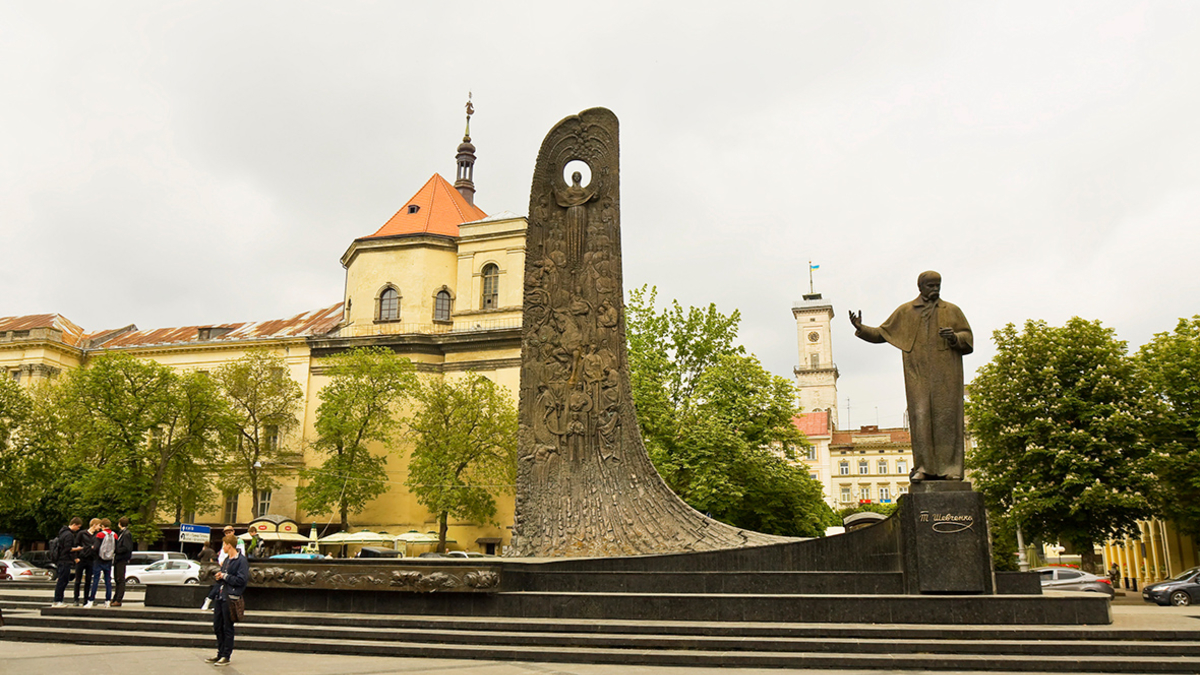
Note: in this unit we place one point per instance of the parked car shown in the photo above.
(466, 554)
(297, 556)
(20, 570)
(40, 559)
(1180, 590)
(1070, 579)
(167, 572)
(143, 559)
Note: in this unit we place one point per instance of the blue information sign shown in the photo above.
(194, 534)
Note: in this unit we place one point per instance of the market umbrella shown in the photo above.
(363, 537)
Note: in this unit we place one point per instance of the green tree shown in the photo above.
(358, 406)
(19, 492)
(1170, 365)
(124, 436)
(15, 405)
(717, 425)
(1059, 446)
(264, 402)
(465, 450)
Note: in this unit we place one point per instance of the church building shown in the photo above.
(440, 283)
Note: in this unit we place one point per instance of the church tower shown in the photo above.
(816, 376)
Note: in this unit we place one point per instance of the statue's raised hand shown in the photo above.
(856, 319)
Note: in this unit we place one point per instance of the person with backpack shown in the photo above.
(85, 542)
(106, 549)
(122, 555)
(62, 554)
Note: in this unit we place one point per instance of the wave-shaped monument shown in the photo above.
(585, 485)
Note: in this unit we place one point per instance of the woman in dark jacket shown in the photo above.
(232, 578)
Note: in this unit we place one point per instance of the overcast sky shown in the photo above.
(186, 163)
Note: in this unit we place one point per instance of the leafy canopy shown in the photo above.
(264, 402)
(465, 449)
(124, 436)
(1057, 419)
(359, 407)
(1170, 366)
(717, 425)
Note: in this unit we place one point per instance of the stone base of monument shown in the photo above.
(930, 563)
(944, 536)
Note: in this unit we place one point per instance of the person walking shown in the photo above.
(85, 541)
(106, 549)
(207, 555)
(231, 583)
(63, 552)
(123, 553)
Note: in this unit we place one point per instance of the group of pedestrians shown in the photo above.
(89, 554)
(98, 551)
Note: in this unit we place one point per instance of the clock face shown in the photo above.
(814, 336)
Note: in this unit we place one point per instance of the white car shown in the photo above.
(143, 559)
(167, 572)
(19, 570)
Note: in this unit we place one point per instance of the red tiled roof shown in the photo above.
(440, 210)
(316, 322)
(813, 423)
(72, 334)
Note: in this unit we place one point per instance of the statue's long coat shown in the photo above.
(933, 380)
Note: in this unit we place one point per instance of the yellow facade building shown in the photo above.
(439, 283)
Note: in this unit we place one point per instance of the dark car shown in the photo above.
(1180, 590)
(40, 559)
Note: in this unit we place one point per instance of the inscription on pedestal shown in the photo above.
(946, 543)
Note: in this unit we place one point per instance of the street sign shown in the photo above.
(194, 534)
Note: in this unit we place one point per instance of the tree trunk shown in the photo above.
(1088, 561)
(345, 518)
(585, 485)
(443, 525)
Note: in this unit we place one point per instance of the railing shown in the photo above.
(465, 325)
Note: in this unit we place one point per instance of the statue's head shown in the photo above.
(576, 178)
(930, 285)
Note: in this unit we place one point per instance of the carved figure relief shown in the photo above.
(334, 576)
(585, 484)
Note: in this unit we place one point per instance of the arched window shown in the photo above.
(491, 287)
(864, 467)
(844, 468)
(441, 306)
(389, 304)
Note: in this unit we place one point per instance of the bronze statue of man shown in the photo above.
(933, 335)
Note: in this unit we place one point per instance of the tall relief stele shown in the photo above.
(585, 484)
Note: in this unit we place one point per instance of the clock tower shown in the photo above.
(816, 376)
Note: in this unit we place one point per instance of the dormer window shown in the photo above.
(413, 208)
